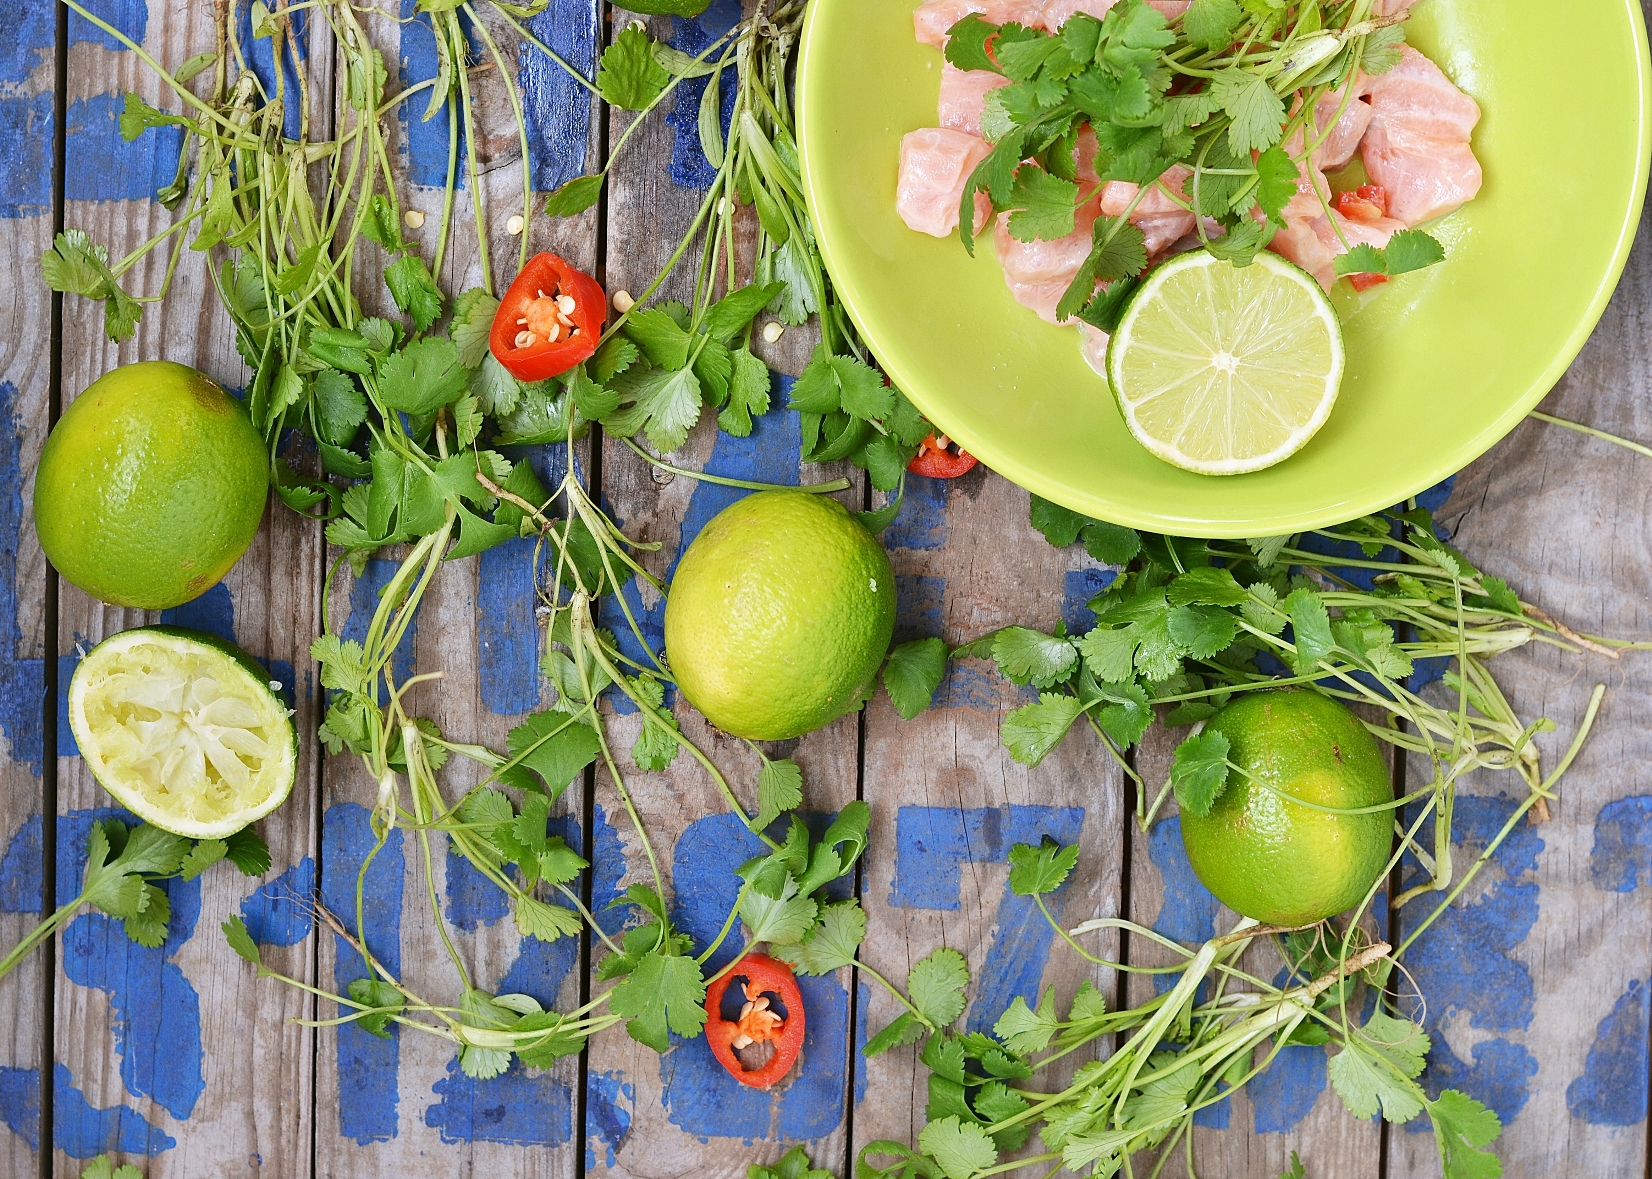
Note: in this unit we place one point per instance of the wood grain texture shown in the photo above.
(155, 1050)
(948, 803)
(390, 1107)
(1536, 982)
(25, 391)
(1291, 1107)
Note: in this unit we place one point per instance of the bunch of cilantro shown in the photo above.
(1178, 1053)
(1221, 92)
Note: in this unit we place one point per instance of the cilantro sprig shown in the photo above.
(1225, 93)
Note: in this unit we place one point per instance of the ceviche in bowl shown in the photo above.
(1328, 251)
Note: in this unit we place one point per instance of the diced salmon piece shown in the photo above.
(1347, 131)
(1418, 144)
(1161, 219)
(936, 164)
(964, 95)
(1039, 272)
(1313, 244)
(1059, 12)
(932, 19)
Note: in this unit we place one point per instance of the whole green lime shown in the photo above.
(1276, 860)
(779, 615)
(150, 486)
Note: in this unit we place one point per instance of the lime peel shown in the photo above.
(1223, 370)
(184, 730)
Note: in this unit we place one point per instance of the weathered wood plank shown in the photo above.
(183, 1077)
(28, 71)
(681, 1113)
(1291, 1107)
(948, 803)
(385, 1107)
(1536, 981)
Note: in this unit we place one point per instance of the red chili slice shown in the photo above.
(1364, 282)
(759, 1022)
(936, 460)
(549, 320)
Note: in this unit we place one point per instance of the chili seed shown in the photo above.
(514, 225)
(413, 219)
(773, 330)
(525, 339)
(623, 301)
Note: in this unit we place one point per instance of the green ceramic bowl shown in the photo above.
(1441, 363)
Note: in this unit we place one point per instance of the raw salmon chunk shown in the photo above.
(1418, 144)
(964, 95)
(936, 163)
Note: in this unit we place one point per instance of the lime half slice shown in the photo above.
(185, 730)
(1223, 369)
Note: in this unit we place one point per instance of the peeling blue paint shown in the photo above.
(918, 602)
(472, 899)
(556, 108)
(27, 132)
(507, 638)
(27, 34)
(278, 913)
(977, 686)
(81, 1132)
(1621, 859)
(20, 1103)
(921, 525)
(1077, 588)
(367, 1090)
(105, 167)
(21, 885)
(689, 166)
(1465, 961)
(1611, 1091)
(932, 844)
(427, 142)
(609, 1101)
(1281, 1097)
(514, 1108)
(22, 681)
(212, 613)
(131, 17)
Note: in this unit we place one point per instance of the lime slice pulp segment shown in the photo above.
(184, 730)
(1222, 369)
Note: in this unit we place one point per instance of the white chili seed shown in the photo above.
(525, 339)
(552, 335)
(773, 330)
(414, 219)
(623, 301)
(741, 1042)
(566, 304)
(514, 225)
(761, 1003)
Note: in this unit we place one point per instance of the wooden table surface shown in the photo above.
(177, 1059)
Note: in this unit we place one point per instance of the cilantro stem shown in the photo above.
(728, 924)
(1593, 433)
(860, 965)
(530, 39)
(827, 488)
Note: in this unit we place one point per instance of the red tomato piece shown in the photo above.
(936, 460)
(1364, 282)
(1368, 203)
(759, 1022)
(549, 321)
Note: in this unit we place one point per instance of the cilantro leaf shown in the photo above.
(147, 923)
(473, 314)
(382, 225)
(1031, 731)
(1311, 629)
(1276, 175)
(781, 920)
(1059, 525)
(1462, 1127)
(670, 401)
(833, 941)
(1382, 49)
(1127, 715)
(1024, 1030)
(1295, 1170)
(729, 316)
(536, 919)
(629, 77)
(74, 266)
(1258, 113)
(423, 376)
(247, 850)
(202, 856)
(1366, 1084)
(1032, 657)
(414, 291)
(376, 993)
(663, 993)
(1122, 256)
(904, 1029)
(936, 986)
(1362, 259)
(779, 789)
(574, 197)
(1111, 544)
(1202, 631)
(662, 339)
(1044, 205)
(240, 940)
(1042, 869)
(1210, 24)
(960, 1149)
(1200, 772)
(966, 44)
(1412, 249)
(554, 747)
(912, 675)
(749, 385)
(1209, 585)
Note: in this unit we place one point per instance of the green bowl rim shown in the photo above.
(1450, 464)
